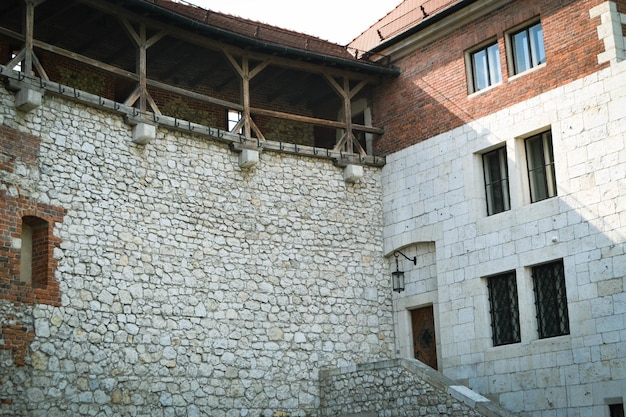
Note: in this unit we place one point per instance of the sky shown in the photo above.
(338, 21)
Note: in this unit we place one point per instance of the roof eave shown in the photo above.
(272, 48)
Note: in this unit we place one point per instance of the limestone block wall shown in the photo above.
(434, 196)
(189, 286)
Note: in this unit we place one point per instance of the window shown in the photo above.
(616, 410)
(550, 299)
(528, 49)
(233, 117)
(504, 308)
(540, 161)
(485, 67)
(496, 181)
(34, 251)
(18, 66)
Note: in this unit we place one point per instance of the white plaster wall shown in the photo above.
(434, 192)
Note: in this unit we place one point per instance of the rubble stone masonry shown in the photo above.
(187, 285)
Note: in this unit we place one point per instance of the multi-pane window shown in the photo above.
(550, 299)
(496, 181)
(540, 161)
(528, 49)
(504, 308)
(486, 67)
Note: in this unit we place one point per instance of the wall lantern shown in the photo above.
(397, 277)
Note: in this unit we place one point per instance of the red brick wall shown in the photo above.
(17, 338)
(45, 288)
(14, 211)
(431, 94)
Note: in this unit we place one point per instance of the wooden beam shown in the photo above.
(313, 120)
(196, 96)
(203, 41)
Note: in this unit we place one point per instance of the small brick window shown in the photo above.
(233, 118)
(504, 308)
(528, 49)
(485, 67)
(34, 252)
(551, 299)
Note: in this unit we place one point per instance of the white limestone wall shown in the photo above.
(189, 286)
(434, 197)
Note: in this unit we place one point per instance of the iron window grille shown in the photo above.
(528, 48)
(504, 309)
(486, 69)
(540, 162)
(496, 181)
(551, 299)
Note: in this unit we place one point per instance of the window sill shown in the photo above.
(528, 71)
(484, 90)
(536, 346)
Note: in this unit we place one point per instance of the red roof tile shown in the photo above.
(255, 30)
(406, 15)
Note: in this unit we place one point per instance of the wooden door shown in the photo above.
(424, 341)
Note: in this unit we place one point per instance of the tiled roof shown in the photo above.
(406, 15)
(253, 30)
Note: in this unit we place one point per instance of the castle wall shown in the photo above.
(188, 286)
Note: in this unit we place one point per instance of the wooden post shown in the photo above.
(246, 75)
(347, 111)
(141, 67)
(245, 90)
(348, 139)
(29, 23)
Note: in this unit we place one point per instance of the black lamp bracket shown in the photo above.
(414, 259)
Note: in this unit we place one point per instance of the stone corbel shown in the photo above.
(248, 154)
(144, 131)
(27, 97)
(352, 172)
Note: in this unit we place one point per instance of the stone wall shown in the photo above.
(584, 225)
(189, 286)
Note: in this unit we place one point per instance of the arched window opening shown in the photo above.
(34, 253)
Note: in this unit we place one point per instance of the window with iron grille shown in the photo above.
(540, 161)
(504, 308)
(496, 181)
(550, 299)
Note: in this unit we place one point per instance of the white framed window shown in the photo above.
(526, 48)
(484, 67)
(540, 163)
(495, 172)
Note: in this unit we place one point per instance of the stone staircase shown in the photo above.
(399, 387)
